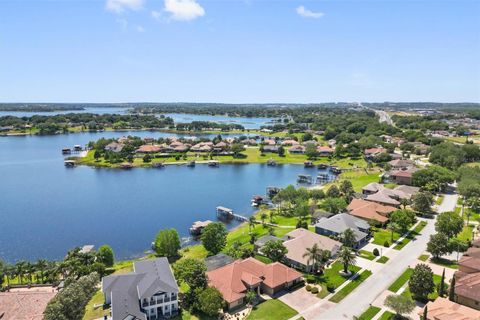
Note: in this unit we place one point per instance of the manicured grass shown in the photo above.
(432, 296)
(324, 292)
(332, 277)
(387, 315)
(263, 259)
(445, 263)
(381, 235)
(397, 284)
(360, 178)
(350, 286)
(466, 233)
(272, 309)
(366, 254)
(439, 199)
(413, 233)
(382, 259)
(424, 257)
(91, 312)
(369, 313)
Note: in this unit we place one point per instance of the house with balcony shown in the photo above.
(150, 292)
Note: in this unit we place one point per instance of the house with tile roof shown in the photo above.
(234, 280)
(444, 309)
(150, 292)
(25, 303)
(467, 278)
(370, 211)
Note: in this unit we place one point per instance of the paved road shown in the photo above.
(359, 300)
(384, 116)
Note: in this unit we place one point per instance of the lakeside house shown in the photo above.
(296, 149)
(271, 149)
(377, 192)
(149, 292)
(467, 278)
(234, 280)
(114, 147)
(401, 164)
(25, 303)
(444, 309)
(402, 176)
(148, 148)
(299, 240)
(336, 225)
(324, 151)
(373, 152)
(369, 211)
(289, 142)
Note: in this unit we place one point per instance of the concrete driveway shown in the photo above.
(299, 299)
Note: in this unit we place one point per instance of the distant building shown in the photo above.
(296, 149)
(324, 151)
(114, 147)
(150, 292)
(444, 309)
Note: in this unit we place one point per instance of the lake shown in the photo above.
(248, 123)
(46, 209)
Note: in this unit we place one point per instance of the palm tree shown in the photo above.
(349, 238)
(20, 269)
(30, 271)
(251, 223)
(347, 258)
(316, 257)
(271, 213)
(41, 266)
(263, 216)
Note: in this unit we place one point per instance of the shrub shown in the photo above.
(310, 279)
(375, 252)
(308, 287)
(330, 288)
(386, 244)
(314, 290)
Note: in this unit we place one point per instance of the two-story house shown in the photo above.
(150, 292)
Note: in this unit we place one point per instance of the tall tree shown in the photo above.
(210, 301)
(167, 243)
(441, 287)
(400, 304)
(422, 202)
(421, 282)
(438, 245)
(316, 257)
(105, 255)
(449, 223)
(347, 258)
(214, 237)
(348, 238)
(274, 250)
(191, 272)
(451, 293)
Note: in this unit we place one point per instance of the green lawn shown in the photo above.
(439, 199)
(350, 286)
(382, 259)
(369, 313)
(381, 235)
(413, 233)
(466, 233)
(332, 277)
(445, 263)
(387, 315)
(366, 254)
(272, 309)
(432, 296)
(397, 284)
(91, 312)
(424, 257)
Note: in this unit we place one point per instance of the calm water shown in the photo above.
(45, 208)
(87, 110)
(247, 123)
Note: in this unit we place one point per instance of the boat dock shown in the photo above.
(227, 213)
(304, 178)
(198, 226)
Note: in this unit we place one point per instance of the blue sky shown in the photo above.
(239, 51)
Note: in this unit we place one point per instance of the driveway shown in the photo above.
(299, 299)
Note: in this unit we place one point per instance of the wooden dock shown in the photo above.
(227, 213)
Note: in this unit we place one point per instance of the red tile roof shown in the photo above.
(234, 279)
(28, 304)
(370, 210)
(444, 309)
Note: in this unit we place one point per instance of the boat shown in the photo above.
(77, 147)
(322, 166)
(69, 163)
(213, 163)
(257, 200)
(271, 163)
(304, 178)
(272, 191)
(66, 151)
(308, 164)
(126, 166)
(191, 164)
(158, 165)
(336, 170)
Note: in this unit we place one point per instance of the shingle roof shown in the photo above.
(217, 261)
(148, 278)
(341, 222)
(300, 239)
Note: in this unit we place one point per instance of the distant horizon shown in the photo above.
(239, 103)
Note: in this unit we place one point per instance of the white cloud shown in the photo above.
(184, 10)
(156, 14)
(119, 6)
(304, 12)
